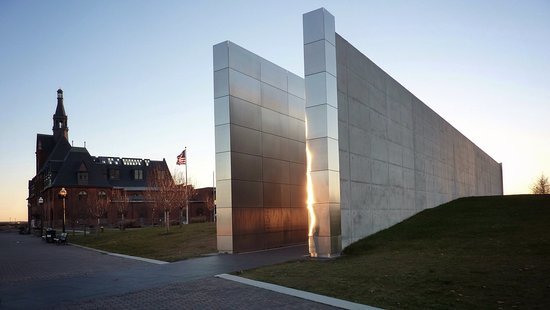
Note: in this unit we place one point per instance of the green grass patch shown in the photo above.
(472, 253)
(154, 242)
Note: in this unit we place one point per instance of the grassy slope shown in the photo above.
(483, 252)
(153, 242)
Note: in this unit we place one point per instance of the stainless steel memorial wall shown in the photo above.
(260, 152)
(377, 154)
(396, 156)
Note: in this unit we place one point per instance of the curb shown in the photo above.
(335, 302)
(143, 259)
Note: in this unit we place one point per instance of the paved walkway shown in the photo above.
(38, 275)
(208, 293)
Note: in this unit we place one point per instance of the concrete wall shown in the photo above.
(397, 156)
(260, 152)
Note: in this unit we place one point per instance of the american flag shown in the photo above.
(182, 160)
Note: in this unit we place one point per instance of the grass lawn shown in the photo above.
(473, 253)
(153, 242)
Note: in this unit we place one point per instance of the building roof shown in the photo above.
(57, 154)
(79, 160)
(103, 171)
(64, 163)
(44, 143)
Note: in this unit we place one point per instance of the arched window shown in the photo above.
(82, 195)
(101, 195)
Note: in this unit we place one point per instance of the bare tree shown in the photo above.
(163, 192)
(78, 212)
(98, 209)
(541, 185)
(121, 201)
(210, 205)
(149, 195)
(84, 217)
(185, 191)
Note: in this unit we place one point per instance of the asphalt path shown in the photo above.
(34, 274)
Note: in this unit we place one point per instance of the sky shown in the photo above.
(138, 82)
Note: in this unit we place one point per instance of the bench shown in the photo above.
(62, 239)
(49, 236)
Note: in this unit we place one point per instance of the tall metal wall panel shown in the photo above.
(322, 132)
(379, 154)
(260, 152)
(395, 155)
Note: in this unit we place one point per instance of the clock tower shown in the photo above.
(60, 128)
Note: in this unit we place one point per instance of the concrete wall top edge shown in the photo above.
(414, 100)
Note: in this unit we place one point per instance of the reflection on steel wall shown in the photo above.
(379, 155)
(322, 131)
(396, 156)
(260, 152)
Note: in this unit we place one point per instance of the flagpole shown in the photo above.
(186, 189)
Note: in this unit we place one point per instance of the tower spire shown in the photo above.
(60, 128)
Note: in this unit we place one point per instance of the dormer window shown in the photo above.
(138, 174)
(82, 174)
(83, 178)
(114, 174)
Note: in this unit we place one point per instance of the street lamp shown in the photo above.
(41, 204)
(63, 195)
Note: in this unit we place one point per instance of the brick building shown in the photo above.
(201, 205)
(91, 181)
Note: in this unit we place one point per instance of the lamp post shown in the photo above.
(63, 195)
(29, 205)
(41, 204)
